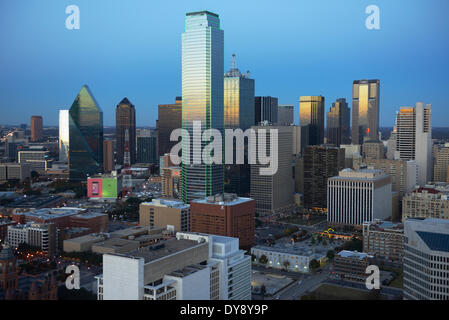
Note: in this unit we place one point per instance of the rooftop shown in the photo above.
(167, 203)
(48, 214)
(227, 199)
(353, 254)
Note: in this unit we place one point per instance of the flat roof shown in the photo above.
(201, 12)
(353, 254)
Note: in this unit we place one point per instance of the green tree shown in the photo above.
(314, 265)
(263, 259)
(330, 254)
(286, 264)
(324, 242)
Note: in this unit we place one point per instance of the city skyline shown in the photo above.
(406, 77)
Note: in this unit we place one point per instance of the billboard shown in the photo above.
(102, 188)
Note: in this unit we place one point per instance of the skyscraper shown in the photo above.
(36, 128)
(169, 116)
(108, 155)
(414, 138)
(125, 115)
(202, 99)
(64, 134)
(239, 107)
(338, 123)
(146, 150)
(266, 109)
(311, 119)
(365, 110)
(86, 136)
(285, 114)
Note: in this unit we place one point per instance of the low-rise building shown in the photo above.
(425, 202)
(384, 240)
(15, 171)
(351, 265)
(162, 213)
(41, 235)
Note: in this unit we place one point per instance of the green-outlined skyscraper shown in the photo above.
(86, 136)
(202, 98)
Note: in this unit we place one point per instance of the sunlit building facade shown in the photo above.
(202, 99)
(125, 115)
(64, 135)
(338, 123)
(86, 136)
(365, 110)
(311, 119)
(169, 116)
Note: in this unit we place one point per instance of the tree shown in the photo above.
(34, 175)
(330, 254)
(253, 257)
(314, 265)
(263, 290)
(313, 240)
(263, 259)
(286, 264)
(324, 242)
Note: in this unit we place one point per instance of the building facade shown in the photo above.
(266, 109)
(64, 135)
(169, 119)
(285, 114)
(365, 110)
(384, 240)
(162, 213)
(425, 203)
(125, 119)
(338, 123)
(311, 119)
(36, 128)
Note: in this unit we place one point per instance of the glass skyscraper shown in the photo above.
(202, 99)
(311, 119)
(365, 110)
(338, 123)
(169, 119)
(85, 136)
(64, 135)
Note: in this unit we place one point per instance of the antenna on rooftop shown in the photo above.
(233, 61)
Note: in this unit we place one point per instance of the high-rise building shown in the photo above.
(36, 128)
(391, 146)
(169, 119)
(285, 114)
(426, 259)
(224, 215)
(311, 120)
(425, 202)
(108, 156)
(64, 134)
(338, 123)
(355, 197)
(414, 138)
(170, 181)
(146, 150)
(86, 136)
(238, 99)
(202, 100)
(191, 267)
(373, 149)
(319, 164)
(365, 110)
(441, 166)
(125, 117)
(266, 109)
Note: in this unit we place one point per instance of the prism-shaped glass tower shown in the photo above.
(202, 99)
(86, 136)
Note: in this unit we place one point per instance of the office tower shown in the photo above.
(64, 135)
(441, 167)
(296, 136)
(36, 128)
(238, 99)
(311, 119)
(373, 149)
(125, 117)
(414, 138)
(162, 213)
(402, 173)
(108, 156)
(266, 109)
(355, 197)
(41, 235)
(338, 123)
(202, 99)
(273, 193)
(391, 146)
(169, 119)
(426, 259)
(285, 114)
(146, 150)
(365, 110)
(224, 215)
(15, 171)
(319, 164)
(190, 267)
(384, 240)
(425, 203)
(37, 159)
(170, 181)
(85, 136)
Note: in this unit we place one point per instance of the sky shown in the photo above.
(292, 48)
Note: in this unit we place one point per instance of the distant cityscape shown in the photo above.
(347, 195)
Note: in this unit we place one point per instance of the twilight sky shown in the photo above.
(132, 48)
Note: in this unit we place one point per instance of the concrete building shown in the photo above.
(414, 138)
(162, 213)
(373, 149)
(426, 259)
(108, 156)
(441, 166)
(266, 109)
(36, 128)
(193, 266)
(41, 235)
(285, 114)
(273, 192)
(339, 123)
(365, 110)
(425, 202)
(353, 155)
(37, 159)
(384, 240)
(15, 171)
(351, 265)
(355, 197)
(170, 181)
(224, 215)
